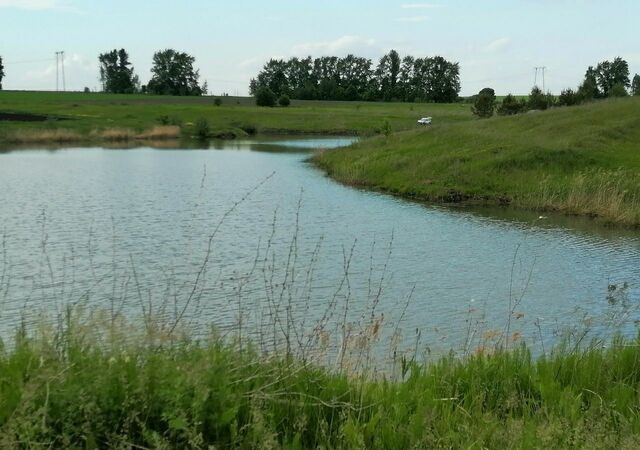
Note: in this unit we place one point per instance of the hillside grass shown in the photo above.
(88, 115)
(581, 160)
(105, 384)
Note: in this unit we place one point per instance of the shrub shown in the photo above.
(618, 90)
(485, 103)
(202, 129)
(265, 97)
(217, 102)
(569, 97)
(539, 100)
(169, 120)
(386, 128)
(511, 105)
(284, 100)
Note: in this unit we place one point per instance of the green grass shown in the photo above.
(580, 160)
(86, 386)
(88, 113)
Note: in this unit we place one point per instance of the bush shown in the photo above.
(569, 97)
(202, 129)
(284, 100)
(540, 101)
(217, 102)
(265, 97)
(169, 120)
(485, 103)
(618, 90)
(511, 105)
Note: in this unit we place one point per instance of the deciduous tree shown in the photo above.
(611, 73)
(174, 74)
(635, 85)
(116, 73)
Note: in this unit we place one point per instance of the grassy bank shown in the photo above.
(581, 160)
(89, 116)
(86, 386)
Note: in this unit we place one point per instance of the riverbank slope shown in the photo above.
(581, 160)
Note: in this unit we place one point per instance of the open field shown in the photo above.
(87, 116)
(580, 160)
(84, 385)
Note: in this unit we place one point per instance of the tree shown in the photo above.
(1, 72)
(485, 103)
(609, 74)
(116, 73)
(173, 74)
(588, 90)
(265, 97)
(442, 80)
(387, 74)
(511, 105)
(635, 85)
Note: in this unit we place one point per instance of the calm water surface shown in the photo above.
(122, 228)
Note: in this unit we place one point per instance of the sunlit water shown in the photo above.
(119, 229)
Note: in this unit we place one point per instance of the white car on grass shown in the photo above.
(425, 121)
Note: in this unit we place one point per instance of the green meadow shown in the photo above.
(87, 116)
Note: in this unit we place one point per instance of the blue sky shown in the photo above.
(497, 42)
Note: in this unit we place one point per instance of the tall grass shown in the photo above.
(92, 383)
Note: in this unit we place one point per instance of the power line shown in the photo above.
(535, 78)
(60, 62)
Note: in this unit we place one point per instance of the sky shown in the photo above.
(498, 43)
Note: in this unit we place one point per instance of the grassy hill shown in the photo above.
(579, 160)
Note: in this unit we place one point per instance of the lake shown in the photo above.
(248, 235)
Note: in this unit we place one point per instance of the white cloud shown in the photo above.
(341, 46)
(420, 6)
(413, 19)
(498, 45)
(38, 5)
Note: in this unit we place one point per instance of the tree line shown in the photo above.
(173, 73)
(606, 80)
(408, 79)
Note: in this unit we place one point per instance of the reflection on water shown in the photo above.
(77, 223)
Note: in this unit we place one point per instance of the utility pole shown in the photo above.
(60, 64)
(57, 84)
(542, 69)
(64, 80)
